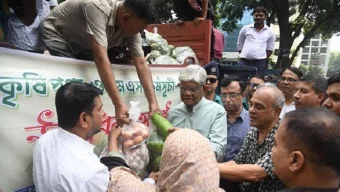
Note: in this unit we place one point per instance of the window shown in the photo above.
(316, 36)
(315, 50)
(323, 50)
(315, 43)
(305, 50)
(322, 59)
(324, 43)
(304, 57)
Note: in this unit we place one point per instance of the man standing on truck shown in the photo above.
(197, 11)
(87, 29)
(256, 42)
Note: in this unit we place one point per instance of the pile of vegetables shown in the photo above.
(163, 53)
(156, 141)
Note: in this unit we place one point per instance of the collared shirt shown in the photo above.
(253, 44)
(254, 153)
(73, 22)
(208, 118)
(305, 189)
(237, 132)
(219, 44)
(218, 100)
(62, 161)
(287, 108)
(28, 37)
(245, 103)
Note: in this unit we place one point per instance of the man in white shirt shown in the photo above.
(287, 84)
(256, 42)
(63, 160)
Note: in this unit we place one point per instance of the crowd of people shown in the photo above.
(253, 137)
(278, 144)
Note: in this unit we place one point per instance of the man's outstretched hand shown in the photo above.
(122, 114)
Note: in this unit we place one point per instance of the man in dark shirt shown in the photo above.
(253, 165)
(306, 151)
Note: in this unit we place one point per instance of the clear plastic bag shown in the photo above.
(166, 60)
(132, 141)
(155, 145)
(157, 42)
(135, 133)
(181, 53)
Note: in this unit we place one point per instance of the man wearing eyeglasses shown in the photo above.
(232, 94)
(198, 113)
(252, 85)
(252, 166)
(311, 91)
(287, 84)
(212, 82)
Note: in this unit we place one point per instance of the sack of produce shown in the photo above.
(166, 60)
(181, 53)
(152, 56)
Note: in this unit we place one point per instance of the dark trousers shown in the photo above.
(260, 64)
(185, 12)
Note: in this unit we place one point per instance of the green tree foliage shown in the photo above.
(311, 69)
(295, 17)
(334, 64)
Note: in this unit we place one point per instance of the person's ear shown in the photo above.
(321, 97)
(126, 17)
(278, 111)
(84, 120)
(296, 161)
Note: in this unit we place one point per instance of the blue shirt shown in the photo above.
(237, 132)
(207, 118)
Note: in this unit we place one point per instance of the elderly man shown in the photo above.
(311, 91)
(63, 160)
(251, 88)
(333, 92)
(287, 84)
(306, 151)
(212, 82)
(252, 165)
(97, 30)
(198, 113)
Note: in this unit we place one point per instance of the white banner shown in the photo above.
(28, 83)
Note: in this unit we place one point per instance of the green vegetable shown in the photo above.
(155, 143)
(154, 166)
(161, 124)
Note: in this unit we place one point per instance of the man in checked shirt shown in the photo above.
(253, 166)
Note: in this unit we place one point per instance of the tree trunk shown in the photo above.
(286, 40)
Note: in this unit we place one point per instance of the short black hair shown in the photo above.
(144, 9)
(227, 80)
(295, 70)
(319, 83)
(261, 9)
(316, 132)
(256, 77)
(334, 79)
(72, 99)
